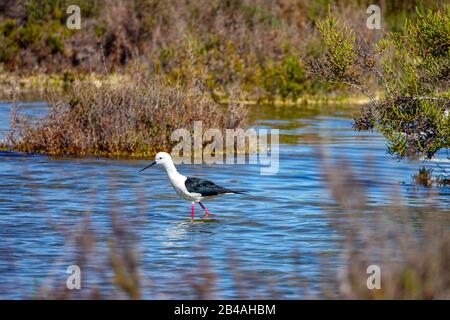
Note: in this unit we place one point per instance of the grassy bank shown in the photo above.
(134, 119)
(40, 85)
(259, 45)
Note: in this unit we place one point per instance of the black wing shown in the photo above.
(204, 187)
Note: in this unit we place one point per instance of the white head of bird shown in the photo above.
(164, 159)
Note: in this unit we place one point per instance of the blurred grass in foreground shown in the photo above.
(410, 245)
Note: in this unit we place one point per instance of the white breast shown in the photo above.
(177, 180)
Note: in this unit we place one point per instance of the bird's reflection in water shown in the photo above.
(181, 231)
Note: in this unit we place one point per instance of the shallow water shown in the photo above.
(277, 234)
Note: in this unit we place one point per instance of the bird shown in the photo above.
(191, 189)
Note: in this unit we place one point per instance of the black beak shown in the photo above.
(151, 164)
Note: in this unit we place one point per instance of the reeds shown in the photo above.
(132, 119)
(410, 245)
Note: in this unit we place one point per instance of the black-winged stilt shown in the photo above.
(189, 188)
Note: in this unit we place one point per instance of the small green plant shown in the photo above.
(341, 55)
(8, 46)
(424, 177)
(286, 80)
(55, 43)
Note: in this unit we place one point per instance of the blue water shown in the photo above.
(271, 242)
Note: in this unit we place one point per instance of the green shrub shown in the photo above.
(413, 65)
(286, 80)
(8, 46)
(55, 43)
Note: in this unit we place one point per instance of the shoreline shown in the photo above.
(12, 84)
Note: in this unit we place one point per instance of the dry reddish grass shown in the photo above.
(135, 119)
(411, 246)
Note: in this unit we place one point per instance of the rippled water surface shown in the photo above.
(278, 232)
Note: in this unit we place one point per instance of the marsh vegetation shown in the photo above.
(135, 119)
(114, 92)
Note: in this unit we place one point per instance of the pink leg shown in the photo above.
(193, 211)
(204, 209)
